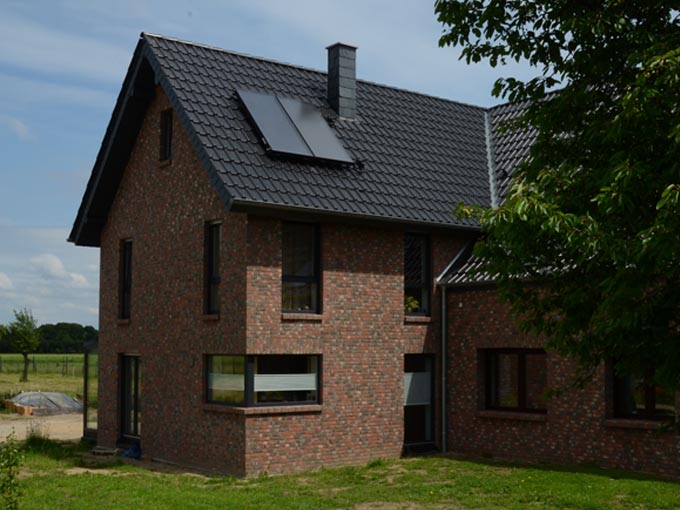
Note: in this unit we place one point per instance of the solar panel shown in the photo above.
(292, 127)
(274, 123)
(315, 130)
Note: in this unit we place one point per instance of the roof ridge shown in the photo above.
(231, 52)
(317, 71)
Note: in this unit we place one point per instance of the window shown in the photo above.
(226, 379)
(166, 135)
(125, 277)
(90, 389)
(131, 426)
(212, 268)
(640, 397)
(514, 379)
(418, 399)
(300, 268)
(263, 380)
(417, 279)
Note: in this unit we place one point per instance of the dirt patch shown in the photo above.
(405, 505)
(62, 427)
(102, 471)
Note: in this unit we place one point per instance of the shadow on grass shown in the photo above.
(56, 450)
(586, 469)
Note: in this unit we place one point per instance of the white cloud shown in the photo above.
(51, 267)
(399, 49)
(18, 127)
(55, 279)
(5, 282)
(29, 45)
(25, 91)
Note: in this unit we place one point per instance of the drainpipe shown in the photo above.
(443, 369)
(442, 282)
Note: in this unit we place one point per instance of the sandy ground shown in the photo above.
(58, 426)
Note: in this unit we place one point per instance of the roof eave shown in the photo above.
(239, 205)
(87, 225)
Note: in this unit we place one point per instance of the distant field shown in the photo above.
(47, 372)
(65, 364)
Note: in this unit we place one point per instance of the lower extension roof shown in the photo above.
(415, 156)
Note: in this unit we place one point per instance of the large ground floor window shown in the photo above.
(642, 398)
(280, 379)
(514, 379)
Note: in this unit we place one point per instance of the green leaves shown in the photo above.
(10, 462)
(24, 336)
(593, 215)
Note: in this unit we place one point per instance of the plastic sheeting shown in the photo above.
(48, 402)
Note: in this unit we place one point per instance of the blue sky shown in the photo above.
(61, 66)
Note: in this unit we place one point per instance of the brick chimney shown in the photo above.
(342, 82)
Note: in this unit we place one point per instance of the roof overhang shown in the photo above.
(136, 93)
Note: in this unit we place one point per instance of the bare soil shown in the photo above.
(63, 427)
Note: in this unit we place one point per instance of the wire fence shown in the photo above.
(55, 364)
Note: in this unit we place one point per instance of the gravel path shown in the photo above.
(68, 427)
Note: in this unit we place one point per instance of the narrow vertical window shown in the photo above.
(212, 268)
(418, 399)
(125, 276)
(417, 279)
(166, 135)
(131, 426)
(300, 268)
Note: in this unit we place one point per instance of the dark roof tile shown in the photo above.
(419, 155)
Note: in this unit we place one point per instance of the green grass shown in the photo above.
(52, 480)
(43, 363)
(48, 372)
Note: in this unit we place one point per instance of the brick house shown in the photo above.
(283, 285)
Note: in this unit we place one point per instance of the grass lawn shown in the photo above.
(52, 479)
(71, 385)
(48, 372)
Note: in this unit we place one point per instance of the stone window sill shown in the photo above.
(301, 317)
(264, 410)
(165, 162)
(630, 423)
(512, 415)
(123, 322)
(209, 317)
(417, 319)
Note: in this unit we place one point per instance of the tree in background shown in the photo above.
(60, 338)
(593, 216)
(24, 336)
(65, 337)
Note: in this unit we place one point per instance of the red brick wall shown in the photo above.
(163, 208)
(361, 333)
(576, 428)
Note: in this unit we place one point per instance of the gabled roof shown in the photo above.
(416, 155)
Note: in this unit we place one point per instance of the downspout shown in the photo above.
(443, 285)
(443, 369)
